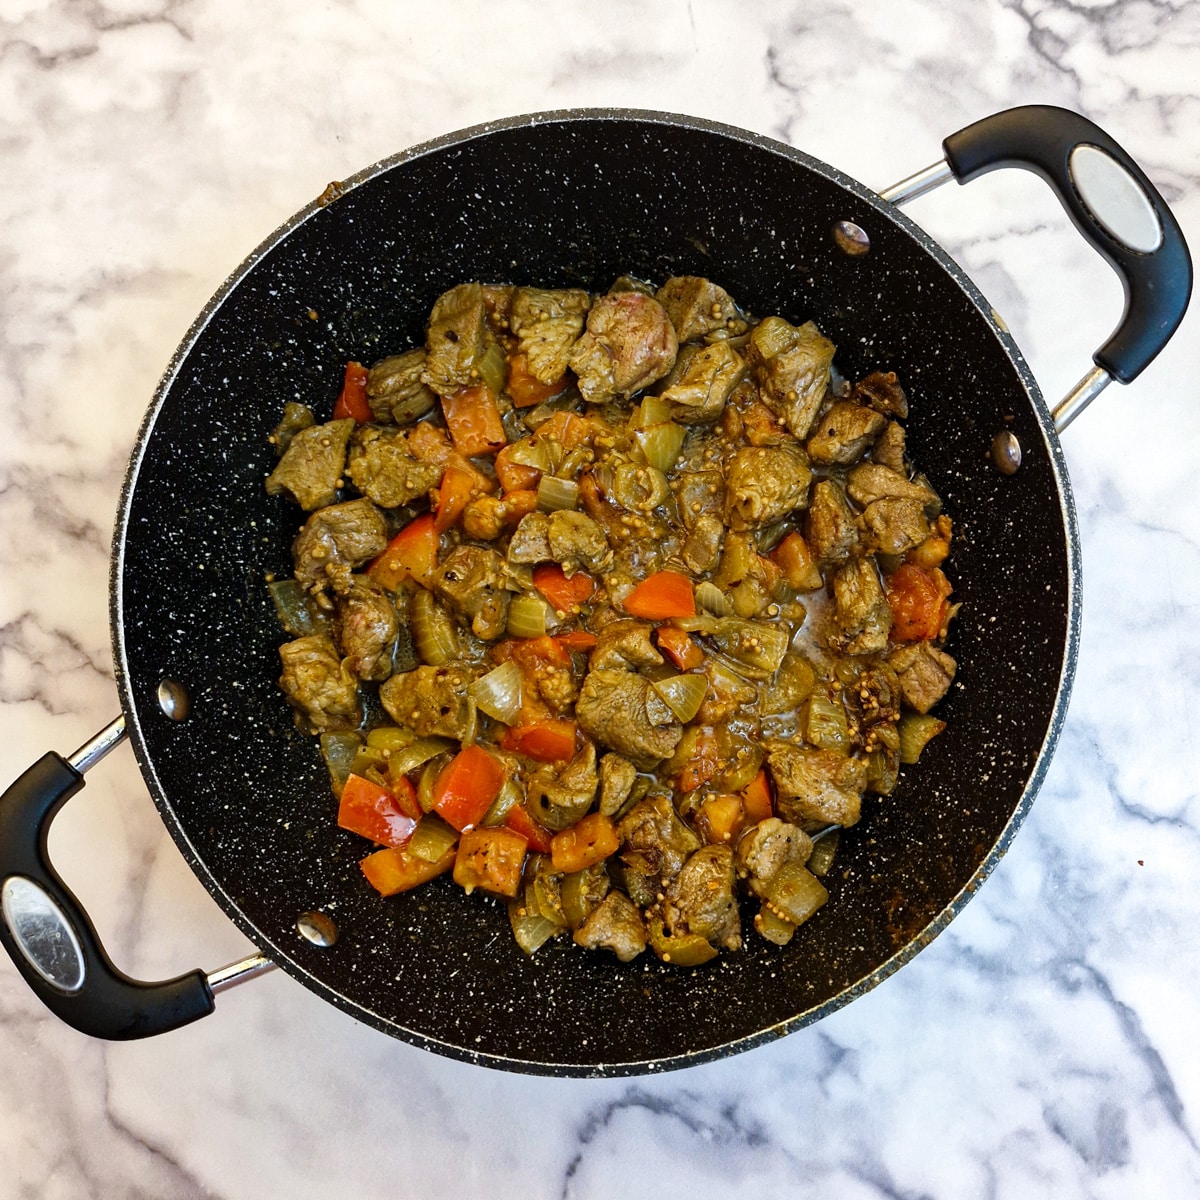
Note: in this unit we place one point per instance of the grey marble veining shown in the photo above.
(1042, 1046)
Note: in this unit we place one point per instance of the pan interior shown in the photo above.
(574, 200)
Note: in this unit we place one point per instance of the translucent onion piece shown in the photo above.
(753, 643)
(433, 630)
(493, 368)
(710, 598)
(498, 693)
(510, 795)
(795, 893)
(389, 738)
(773, 927)
(431, 838)
(683, 694)
(653, 411)
(531, 930)
(297, 616)
(661, 444)
(416, 754)
(554, 494)
(825, 723)
(821, 858)
(527, 616)
(338, 751)
(531, 452)
(916, 730)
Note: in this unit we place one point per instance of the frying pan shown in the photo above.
(561, 199)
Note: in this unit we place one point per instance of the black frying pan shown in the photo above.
(578, 198)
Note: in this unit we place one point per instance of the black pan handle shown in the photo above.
(1111, 202)
(49, 936)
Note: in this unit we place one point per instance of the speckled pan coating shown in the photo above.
(575, 198)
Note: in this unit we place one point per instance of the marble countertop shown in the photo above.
(1042, 1046)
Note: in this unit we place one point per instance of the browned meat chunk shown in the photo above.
(698, 493)
(624, 645)
(617, 777)
(816, 785)
(310, 470)
(530, 542)
(700, 899)
(366, 626)
(342, 536)
(791, 366)
(455, 339)
(889, 448)
(547, 325)
(830, 526)
(472, 579)
(654, 841)
(926, 674)
(882, 391)
(577, 542)
(894, 524)
(558, 796)
(702, 381)
(431, 701)
(395, 391)
(863, 617)
(703, 546)
(295, 418)
(871, 482)
(616, 925)
(764, 484)
(620, 710)
(845, 433)
(697, 307)
(629, 343)
(763, 849)
(383, 468)
(319, 685)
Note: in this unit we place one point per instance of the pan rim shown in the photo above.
(132, 705)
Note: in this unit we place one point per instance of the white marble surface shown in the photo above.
(1043, 1046)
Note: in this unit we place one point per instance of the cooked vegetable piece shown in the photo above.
(525, 389)
(498, 693)
(756, 799)
(549, 741)
(678, 646)
(411, 554)
(432, 838)
(540, 838)
(455, 492)
(490, 859)
(394, 869)
(918, 601)
(474, 421)
(352, 400)
(916, 731)
(793, 557)
(795, 893)
(468, 784)
(565, 592)
(663, 594)
(387, 816)
(586, 843)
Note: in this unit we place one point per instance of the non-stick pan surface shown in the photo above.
(576, 199)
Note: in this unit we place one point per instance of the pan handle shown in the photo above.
(1110, 201)
(49, 936)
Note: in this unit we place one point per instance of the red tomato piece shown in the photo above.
(661, 595)
(537, 835)
(756, 799)
(411, 554)
(565, 593)
(490, 859)
(678, 646)
(352, 401)
(587, 842)
(918, 599)
(456, 491)
(551, 740)
(473, 419)
(525, 390)
(466, 787)
(394, 870)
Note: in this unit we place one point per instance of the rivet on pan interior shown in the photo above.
(173, 699)
(1006, 452)
(851, 238)
(317, 928)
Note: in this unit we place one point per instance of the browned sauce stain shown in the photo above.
(332, 191)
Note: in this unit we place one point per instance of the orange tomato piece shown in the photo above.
(536, 834)
(577, 639)
(568, 429)
(793, 557)
(466, 787)
(565, 593)
(551, 740)
(411, 554)
(917, 597)
(514, 476)
(678, 646)
(587, 842)
(661, 595)
(386, 816)
(456, 491)
(721, 818)
(473, 419)
(393, 869)
(525, 390)
(352, 401)
(490, 859)
(756, 799)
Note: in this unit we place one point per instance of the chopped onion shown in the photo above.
(824, 848)
(753, 644)
(510, 795)
(770, 925)
(498, 693)
(554, 494)
(795, 893)
(682, 694)
(431, 838)
(297, 616)
(710, 598)
(532, 452)
(916, 730)
(661, 444)
(531, 930)
(416, 754)
(339, 751)
(653, 411)
(527, 617)
(389, 738)
(433, 630)
(493, 367)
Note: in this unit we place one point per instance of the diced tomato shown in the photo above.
(661, 595)
(530, 651)
(756, 799)
(466, 787)
(721, 818)
(793, 557)
(568, 429)
(565, 593)
(394, 870)
(577, 639)
(490, 859)
(456, 491)
(386, 817)
(473, 419)
(551, 740)
(586, 843)
(704, 763)
(352, 402)
(538, 836)
(515, 476)
(411, 554)
(430, 443)
(918, 599)
(525, 390)
(678, 646)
